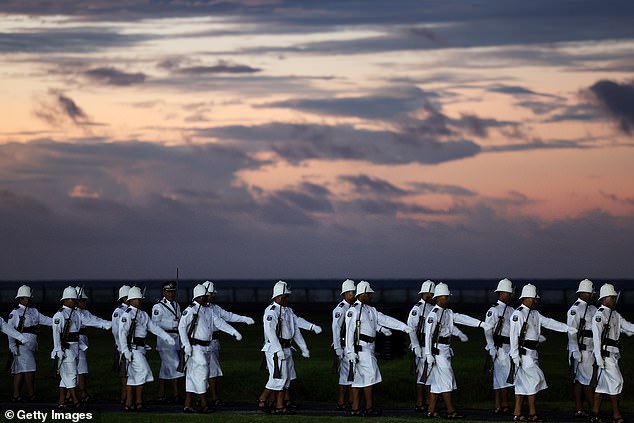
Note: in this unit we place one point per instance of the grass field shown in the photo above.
(316, 384)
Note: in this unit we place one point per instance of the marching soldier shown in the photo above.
(439, 327)
(362, 323)
(166, 314)
(214, 364)
(66, 345)
(116, 315)
(526, 324)
(24, 318)
(416, 320)
(607, 326)
(499, 344)
(134, 325)
(87, 319)
(580, 346)
(348, 291)
(280, 329)
(196, 329)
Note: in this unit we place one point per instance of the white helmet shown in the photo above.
(135, 293)
(529, 291)
(81, 293)
(209, 285)
(364, 287)
(200, 290)
(123, 291)
(280, 288)
(607, 290)
(24, 291)
(586, 285)
(347, 285)
(427, 286)
(441, 289)
(69, 294)
(505, 285)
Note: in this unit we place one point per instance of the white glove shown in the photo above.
(23, 339)
(57, 354)
(339, 353)
(463, 337)
(541, 339)
(493, 352)
(187, 349)
(518, 361)
(352, 356)
(407, 330)
(430, 359)
(106, 326)
(385, 331)
(576, 355)
(238, 336)
(169, 340)
(600, 362)
(249, 321)
(317, 329)
(418, 352)
(127, 354)
(306, 354)
(572, 330)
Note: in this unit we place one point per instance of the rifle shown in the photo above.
(512, 371)
(191, 330)
(497, 341)
(66, 330)
(357, 347)
(580, 337)
(434, 348)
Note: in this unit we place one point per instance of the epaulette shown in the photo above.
(272, 307)
(127, 310)
(600, 308)
(341, 304)
(520, 308)
(435, 309)
(355, 304)
(61, 309)
(419, 303)
(577, 302)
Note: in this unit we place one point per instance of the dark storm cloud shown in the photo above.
(617, 99)
(113, 76)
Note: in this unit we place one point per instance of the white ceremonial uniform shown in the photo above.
(499, 318)
(581, 342)
(366, 369)
(441, 377)
(609, 378)
(529, 378)
(416, 320)
(87, 319)
(280, 328)
(166, 314)
(339, 339)
(70, 349)
(24, 361)
(116, 316)
(227, 316)
(138, 369)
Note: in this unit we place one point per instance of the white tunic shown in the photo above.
(116, 316)
(441, 377)
(369, 319)
(70, 348)
(416, 320)
(610, 379)
(499, 318)
(24, 362)
(581, 342)
(529, 378)
(338, 338)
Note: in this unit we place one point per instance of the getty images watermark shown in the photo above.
(52, 415)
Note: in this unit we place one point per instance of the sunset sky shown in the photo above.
(316, 139)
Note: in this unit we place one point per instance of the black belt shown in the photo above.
(216, 334)
(171, 330)
(444, 340)
(139, 342)
(285, 343)
(499, 340)
(72, 337)
(530, 344)
(605, 353)
(29, 329)
(611, 342)
(82, 331)
(195, 341)
(583, 347)
(366, 338)
(587, 333)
